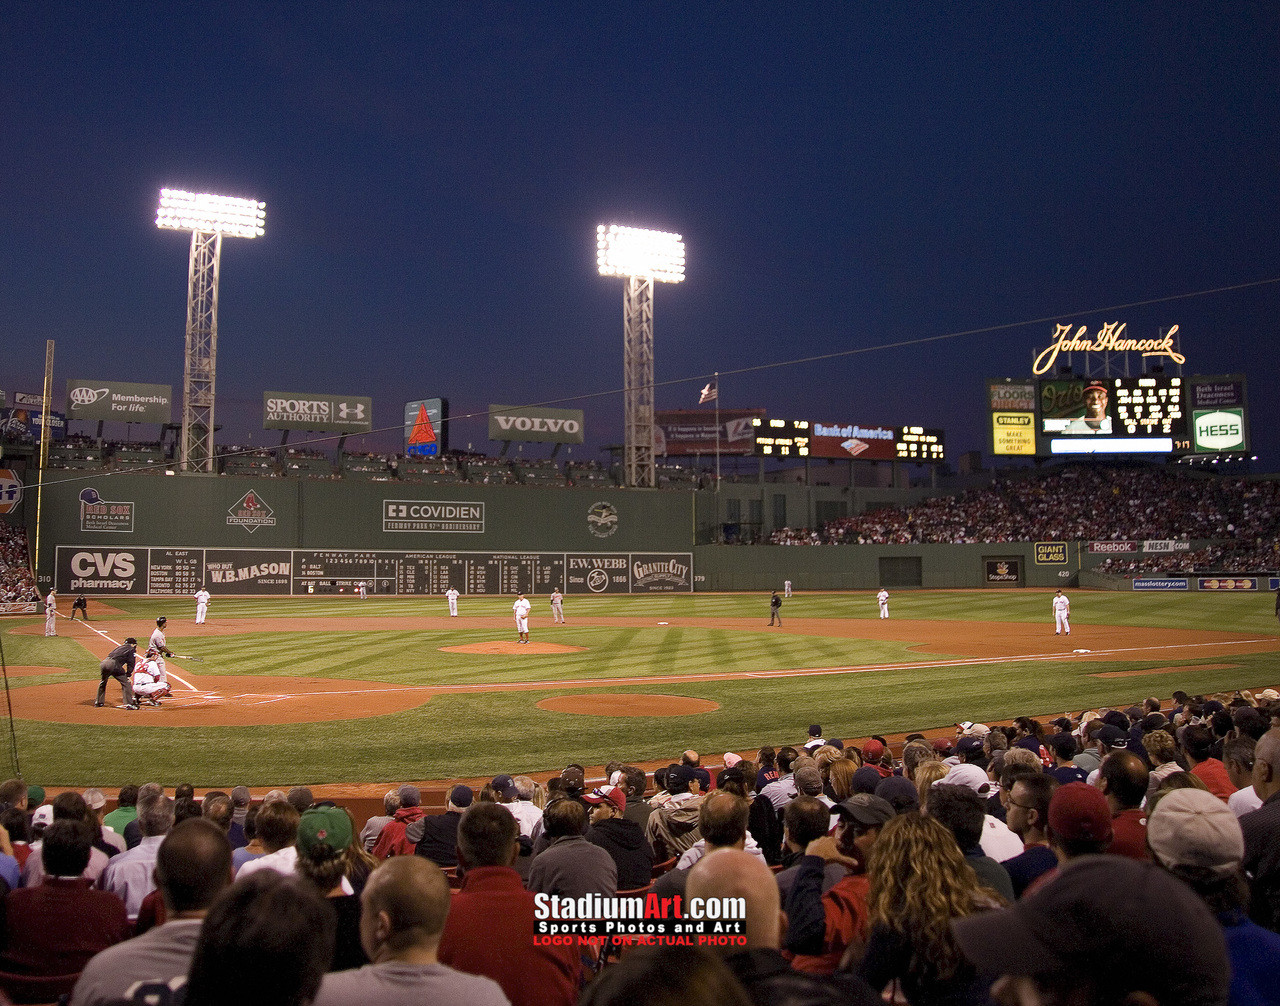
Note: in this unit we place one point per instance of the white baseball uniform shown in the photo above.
(364, 590)
(882, 599)
(202, 605)
(1061, 614)
(158, 641)
(147, 681)
(452, 596)
(557, 606)
(50, 615)
(521, 608)
(786, 588)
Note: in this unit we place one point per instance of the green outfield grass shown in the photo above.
(477, 734)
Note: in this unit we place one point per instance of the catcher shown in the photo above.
(148, 682)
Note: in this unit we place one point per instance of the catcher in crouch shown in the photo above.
(148, 679)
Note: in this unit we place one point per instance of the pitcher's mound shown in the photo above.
(510, 646)
(628, 705)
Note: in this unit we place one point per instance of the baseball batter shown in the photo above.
(452, 595)
(521, 608)
(119, 664)
(202, 605)
(147, 681)
(557, 606)
(882, 599)
(1061, 614)
(50, 614)
(160, 645)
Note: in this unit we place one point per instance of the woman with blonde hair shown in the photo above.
(920, 883)
(927, 773)
(1162, 750)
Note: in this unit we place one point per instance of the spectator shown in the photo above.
(372, 827)
(760, 966)
(782, 789)
(1262, 833)
(131, 875)
(301, 798)
(1197, 745)
(66, 807)
(688, 976)
(1028, 818)
(392, 840)
(622, 839)
(277, 830)
(527, 815)
(806, 820)
(55, 927)
(672, 828)
(634, 784)
(1162, 752)
(722, 823)
(1123, 781)
(192, 867)
(252, 848)
(105, 839)
(1237, 758)
(324, 836)
(1065, 769)
(403, 914)
(266, 941)
(494, 909)
(147, 791)
(961, 811)
(571, 866)
(531, 798)
(921, 882)
(435, 836)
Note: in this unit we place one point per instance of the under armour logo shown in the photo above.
(347, 410)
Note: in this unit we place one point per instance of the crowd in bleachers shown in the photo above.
(1073, 503)
(16, 580)
(1118, 854)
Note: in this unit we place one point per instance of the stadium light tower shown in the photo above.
(643, 257)
(208, 218)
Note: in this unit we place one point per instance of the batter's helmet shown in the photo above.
(161, 620)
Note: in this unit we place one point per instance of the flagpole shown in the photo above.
(717, 387)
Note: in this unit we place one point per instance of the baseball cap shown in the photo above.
(809, 781)
(1113, 737)
(865, 780)
(1270, 694)
(504, 786)
(95, 799)
(872, 751)
(574, 780)
(35, 796)
(1094, 922)
(410, 796)
(241, 797)
(969, 745)
(42, 816)
(942, 745)
(901, 793)
(731, 759)
(969, 776)
(865, 808)
(130, 641)
(815, 730)
(327, 825)
(1190, 827)
(1116, 718)
(607, 794)
(678, 778)
(461, 796)
(1079, 812)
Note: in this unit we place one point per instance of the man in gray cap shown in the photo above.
(1087, 939)
(821, 926)
(373, 826)
(392, 839)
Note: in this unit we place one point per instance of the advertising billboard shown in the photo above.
(287, 410)
(22, 422)
(120, 400)
(805, 438)
(1013, 417)
(426, 427)
(1114, 415)
(544, 426)
(690, 432)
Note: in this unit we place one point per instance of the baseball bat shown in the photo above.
(187, 656)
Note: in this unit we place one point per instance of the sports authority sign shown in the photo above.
(120, 400)
(285, 410)
(432, 516)
(544, 426)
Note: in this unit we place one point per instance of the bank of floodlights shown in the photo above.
(643, 257)
(209, 218)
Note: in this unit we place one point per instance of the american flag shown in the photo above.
(710, 393)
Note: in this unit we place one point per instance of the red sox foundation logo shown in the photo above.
(250, 512)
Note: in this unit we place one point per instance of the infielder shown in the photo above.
(160, 646)
(521, 608)
(1061, 614)
(452, 595)
(882, 599)
(557, 606)
(786, 588)
(147, 679)
(364, 591)
(202, 605)
(50, 614)
(119, 664)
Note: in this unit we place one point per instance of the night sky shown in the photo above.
(844, 176)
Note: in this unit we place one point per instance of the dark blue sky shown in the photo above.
(844, 177)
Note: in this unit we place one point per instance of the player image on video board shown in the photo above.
(1075, 407)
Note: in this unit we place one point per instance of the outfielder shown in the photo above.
(202, 605)
(557, 606)
(786, 588)
(1061, 614)
(147, 679)
(364, 591)
(119, 664)
(160, 646)
(452, 595)
(50, 614)
(521, 608)
(882, 599)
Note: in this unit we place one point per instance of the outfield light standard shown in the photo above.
(208, 218)
(643, 257)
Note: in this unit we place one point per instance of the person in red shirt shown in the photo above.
(1197, 745)
(490, 928)
(1123, 781)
